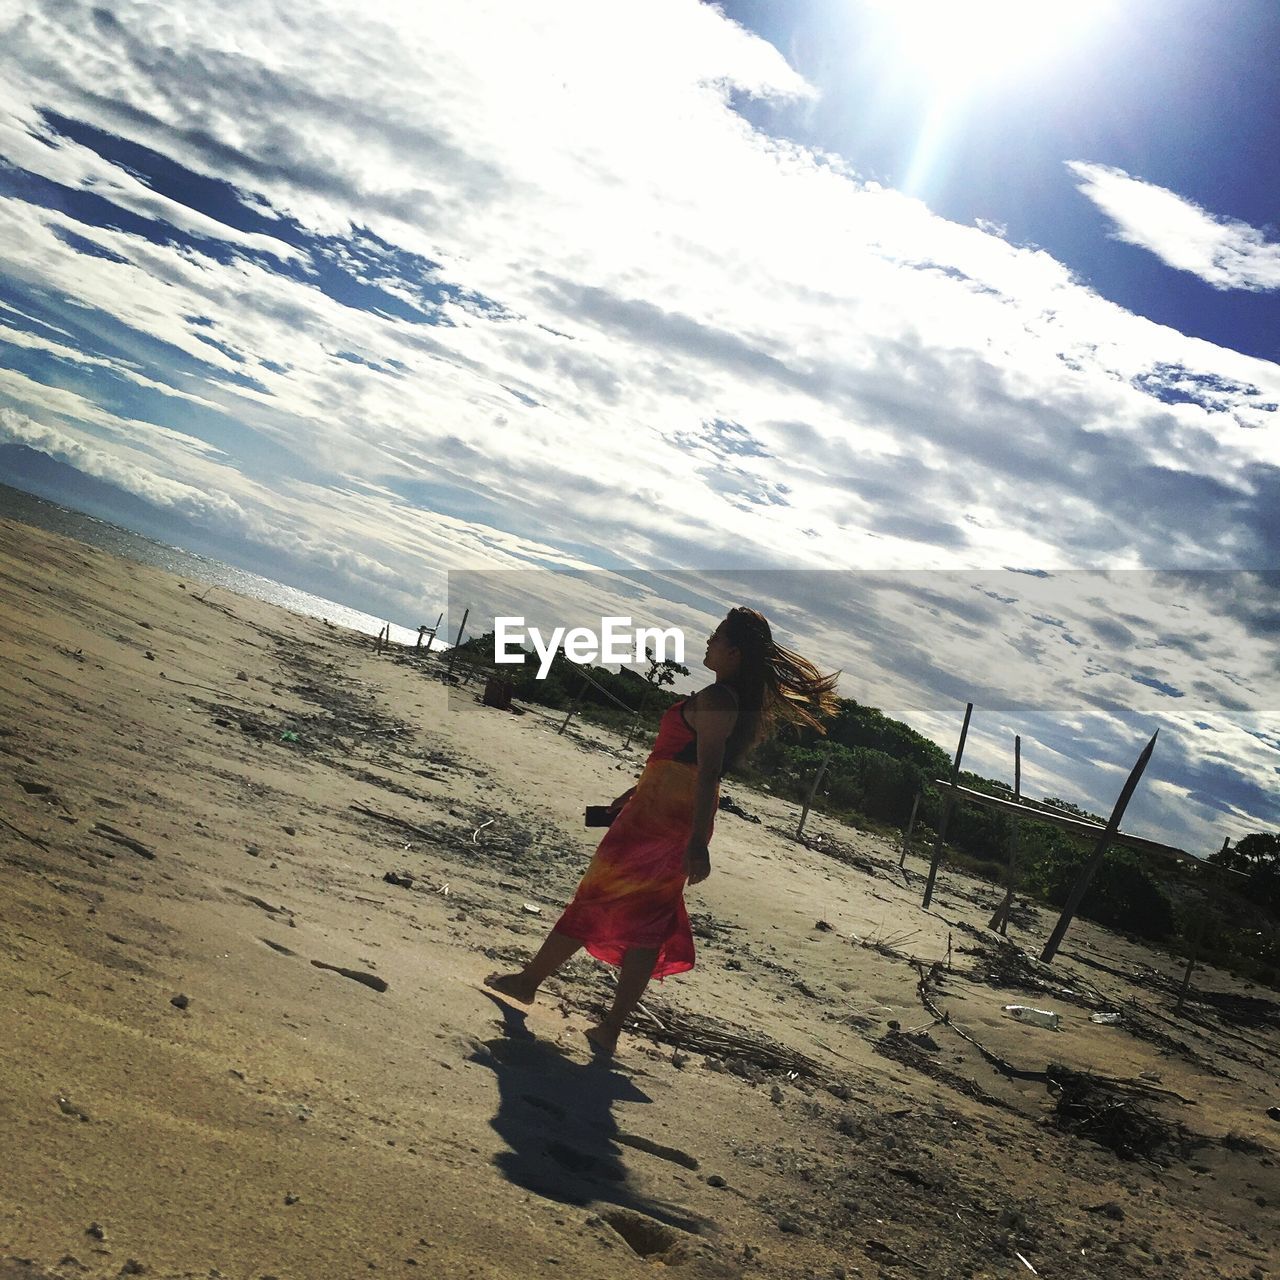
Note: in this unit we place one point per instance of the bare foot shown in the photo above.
(603, 1038)
(515, 985)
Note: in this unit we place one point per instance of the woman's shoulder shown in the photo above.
(718, 697)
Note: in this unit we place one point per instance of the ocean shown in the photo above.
(28, 509)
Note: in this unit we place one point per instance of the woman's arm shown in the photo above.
(715, 714)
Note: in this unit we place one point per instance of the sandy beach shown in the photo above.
(231, 1046)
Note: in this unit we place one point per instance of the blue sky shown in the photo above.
(1178, 94)
(905, 288)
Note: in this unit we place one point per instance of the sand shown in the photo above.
(165, 838)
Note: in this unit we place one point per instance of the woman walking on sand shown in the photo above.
(629, 908)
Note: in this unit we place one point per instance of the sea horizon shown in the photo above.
(106, 535)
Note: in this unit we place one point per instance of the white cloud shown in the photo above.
(690, 269)
(116, 467)
(1223, 252)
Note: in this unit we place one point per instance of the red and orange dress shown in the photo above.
(633, 892)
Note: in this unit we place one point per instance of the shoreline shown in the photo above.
(50, 516)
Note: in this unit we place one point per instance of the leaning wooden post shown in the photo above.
(577, 698)
(1082, 883)
(1001, 918)
(1196, 940)
(911, 826)
(453, 653)
(813, 790)
(946, 812)
(434, 632)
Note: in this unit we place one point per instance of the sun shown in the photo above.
(958, 43)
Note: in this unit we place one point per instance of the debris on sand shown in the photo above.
(729, 805)
(1111, 1116)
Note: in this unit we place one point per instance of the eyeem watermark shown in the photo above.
(617, 641)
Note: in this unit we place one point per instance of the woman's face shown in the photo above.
(721, 656)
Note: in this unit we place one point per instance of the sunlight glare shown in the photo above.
(961, 42)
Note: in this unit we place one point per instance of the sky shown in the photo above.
(943, 299)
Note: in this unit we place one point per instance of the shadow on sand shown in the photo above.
(556, 1116)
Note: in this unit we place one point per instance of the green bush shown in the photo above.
(1122, 894)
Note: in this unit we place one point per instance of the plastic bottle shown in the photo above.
(1037, 1017)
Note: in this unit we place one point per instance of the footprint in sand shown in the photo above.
(356, 975)
(119, 837)
(674, 1154)
(643, 1235)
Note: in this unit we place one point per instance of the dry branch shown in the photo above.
(392, 820)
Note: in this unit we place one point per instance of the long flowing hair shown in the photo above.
(774, 686)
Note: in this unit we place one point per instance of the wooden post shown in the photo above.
(946, 812)
(434, 632)
(1196, 939)
(813, 790)
(635, 719)
(453, 653)
(1082, 883)
(577, 698)
(911, 823)
(1001, 918)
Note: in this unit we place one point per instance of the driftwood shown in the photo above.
(392, 820)
(1097, 1108)
(703, 1034)
(1017, 1073)
(1003, 1066)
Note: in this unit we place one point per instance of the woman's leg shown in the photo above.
(637, 969)
(523, 986)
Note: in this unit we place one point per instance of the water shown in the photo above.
(28, 509)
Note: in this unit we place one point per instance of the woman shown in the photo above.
(629, 909)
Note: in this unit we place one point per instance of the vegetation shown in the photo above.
(1258, 858)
